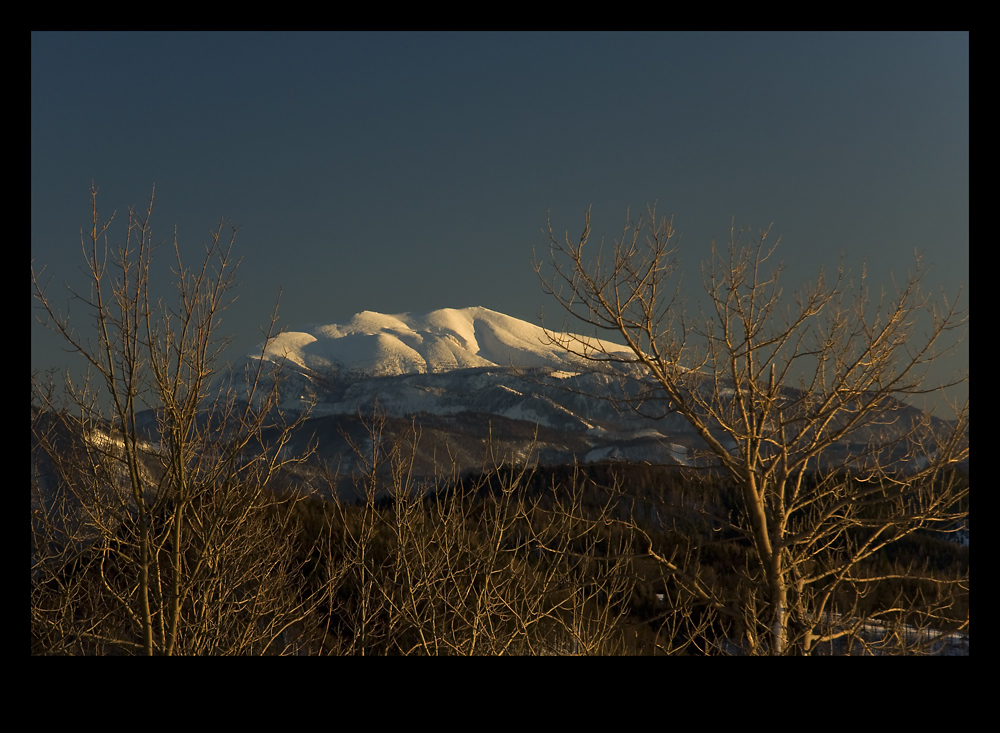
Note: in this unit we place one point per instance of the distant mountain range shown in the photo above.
(469, 379)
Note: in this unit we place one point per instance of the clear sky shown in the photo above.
(408, 172)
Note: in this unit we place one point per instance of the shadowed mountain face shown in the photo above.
(480, 386)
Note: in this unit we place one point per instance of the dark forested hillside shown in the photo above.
(606, 558)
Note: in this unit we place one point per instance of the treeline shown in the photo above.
(698, 518)
(600, 559)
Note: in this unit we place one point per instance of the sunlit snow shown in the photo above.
(377, 344)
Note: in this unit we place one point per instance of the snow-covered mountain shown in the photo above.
(443, 362)
(472, 367)
(379, 345)
(487, 368)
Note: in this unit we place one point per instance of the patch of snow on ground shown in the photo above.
(560, 374)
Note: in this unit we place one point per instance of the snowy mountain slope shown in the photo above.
(374, 344)
(478, 363)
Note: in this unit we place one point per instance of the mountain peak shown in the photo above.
(377, 344)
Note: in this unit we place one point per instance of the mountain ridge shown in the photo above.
(478, 363)
(377, 344)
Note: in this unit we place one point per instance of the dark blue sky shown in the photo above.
(408, 172)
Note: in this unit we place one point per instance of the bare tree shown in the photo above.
(473, 566)
(167, 519)
(156, 523)
(800, 402)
